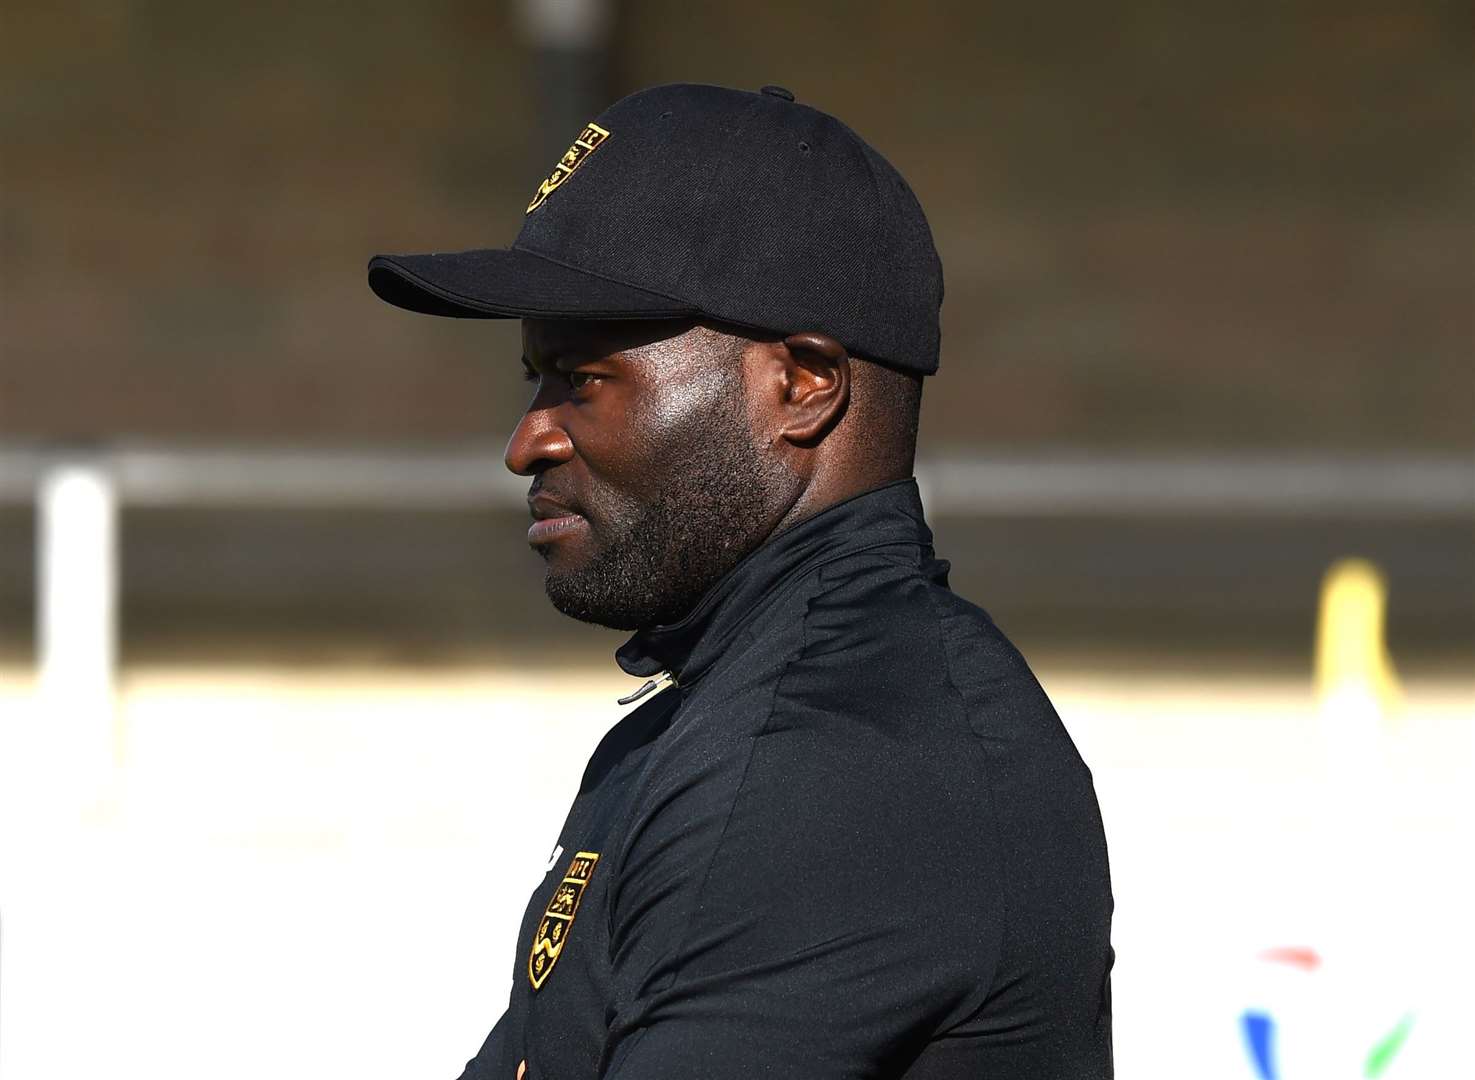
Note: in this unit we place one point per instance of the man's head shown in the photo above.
(679, 214)
(662, 452)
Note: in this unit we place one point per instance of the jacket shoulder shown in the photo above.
(881, 636)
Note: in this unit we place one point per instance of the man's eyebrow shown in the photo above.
(560, 359)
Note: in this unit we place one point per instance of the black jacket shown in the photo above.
(852, 840)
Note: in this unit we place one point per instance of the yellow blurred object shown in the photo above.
(1352, 660)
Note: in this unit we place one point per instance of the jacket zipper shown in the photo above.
(650, 685)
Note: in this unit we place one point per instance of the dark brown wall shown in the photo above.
(1162, 225)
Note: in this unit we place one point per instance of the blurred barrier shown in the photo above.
(79, 496)
(1081, 483)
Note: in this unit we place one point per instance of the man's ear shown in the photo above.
(816, 385)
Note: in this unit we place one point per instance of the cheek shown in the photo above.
(679, 404)
(655, 435)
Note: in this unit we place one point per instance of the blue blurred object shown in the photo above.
(1259, 1029)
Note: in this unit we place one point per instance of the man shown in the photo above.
(848, 837)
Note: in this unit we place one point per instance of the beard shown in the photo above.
(656, 557)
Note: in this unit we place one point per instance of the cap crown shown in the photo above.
(755, 210)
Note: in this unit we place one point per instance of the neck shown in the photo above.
(830, 487)
(891, 515)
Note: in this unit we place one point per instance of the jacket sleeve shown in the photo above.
(490, 1062)
(790, 908)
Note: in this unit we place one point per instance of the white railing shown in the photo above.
(1055, 484)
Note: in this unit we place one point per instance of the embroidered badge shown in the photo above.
(558, 917)
(587, 142)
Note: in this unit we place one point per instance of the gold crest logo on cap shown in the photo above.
(587, 142)
(558, 917)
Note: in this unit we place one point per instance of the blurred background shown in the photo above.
(275, 662)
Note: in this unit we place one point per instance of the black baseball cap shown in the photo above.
(689, 201)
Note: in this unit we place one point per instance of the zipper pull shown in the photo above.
(650, 685)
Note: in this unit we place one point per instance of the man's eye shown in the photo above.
(580, 379)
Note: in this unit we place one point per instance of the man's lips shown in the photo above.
(552, 519)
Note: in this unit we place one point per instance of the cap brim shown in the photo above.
(510, 284)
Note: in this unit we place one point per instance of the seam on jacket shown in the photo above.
(742, 783)
(633, 1040)
(939, 622)
(809, 572)
(696, 902)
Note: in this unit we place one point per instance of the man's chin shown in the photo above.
(578, 586)
(577, 597)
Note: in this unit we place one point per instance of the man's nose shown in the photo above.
(538, 443)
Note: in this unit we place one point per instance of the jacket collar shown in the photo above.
(882, 517)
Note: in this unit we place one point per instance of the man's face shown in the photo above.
(649, 482)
